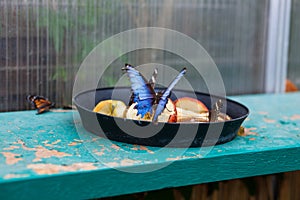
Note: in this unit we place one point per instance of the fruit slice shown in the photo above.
(190, 116)
(169, 114)
(132, 114)
(191, 104)
(191, 110)
(113, 108)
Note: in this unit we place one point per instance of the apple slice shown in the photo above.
(191, 110)
(131, 113)
(191, 104)
(169, 114)
(110, 107)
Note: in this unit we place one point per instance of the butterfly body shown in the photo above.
(40, 103)
(143, 94)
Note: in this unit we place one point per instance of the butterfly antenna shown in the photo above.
(28, 97)
(152, 80)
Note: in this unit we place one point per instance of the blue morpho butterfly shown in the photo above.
(143, 92)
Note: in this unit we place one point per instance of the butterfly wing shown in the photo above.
(142, 92)
(43, 105)
(40, 103)
(151, 82)
(164, 97)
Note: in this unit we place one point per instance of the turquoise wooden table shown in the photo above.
(45, 156)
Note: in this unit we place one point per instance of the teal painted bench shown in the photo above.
(42, 156)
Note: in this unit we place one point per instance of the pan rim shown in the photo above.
(247, 111)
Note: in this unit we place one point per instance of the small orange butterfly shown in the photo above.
(40, 103)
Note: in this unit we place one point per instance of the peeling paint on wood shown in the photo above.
(247, 131)
(116, 147)
(50, 151)
(112, 164)
(99, 153)
(42, 152)
(11, 148)
(11, 158)
(146, 149)
(129, 162)
(295, 117)
(269, 120)
(54, 169)
(262, 112)
(10, 176)
(73, 144)
(185, 157)
(173, 159)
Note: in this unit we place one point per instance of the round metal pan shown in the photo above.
(168, 134)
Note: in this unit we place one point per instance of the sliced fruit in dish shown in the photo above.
(169, 114)
(191, 110)
(110, 107)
